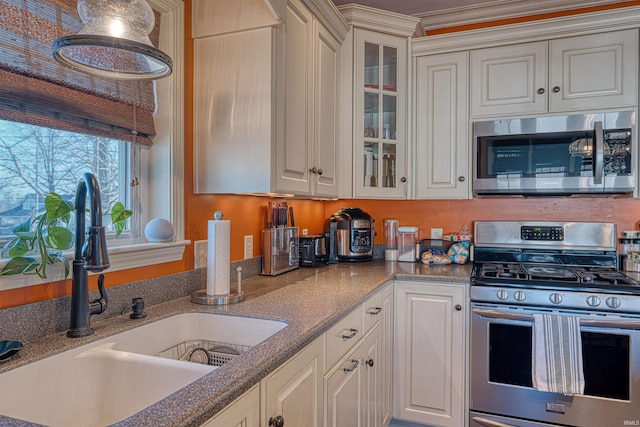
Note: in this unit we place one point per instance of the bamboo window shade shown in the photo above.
(35, 89)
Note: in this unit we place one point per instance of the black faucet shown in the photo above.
(90, 255)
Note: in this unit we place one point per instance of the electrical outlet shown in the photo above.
(248, 247)
(436, 233)
(200, 253)
(305, 231)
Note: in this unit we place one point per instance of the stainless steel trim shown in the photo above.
(577, 235)
(608, 324)
(598, 161)
(490, 423)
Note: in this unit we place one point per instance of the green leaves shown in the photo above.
(119, 216)
(56, 208)
(48, 235)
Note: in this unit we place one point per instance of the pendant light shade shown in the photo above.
(114, 42)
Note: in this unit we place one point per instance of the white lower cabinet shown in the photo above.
(342, 379)
(243, 412)
(293, 392)
(430, 353)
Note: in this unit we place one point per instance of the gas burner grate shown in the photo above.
(502, 271)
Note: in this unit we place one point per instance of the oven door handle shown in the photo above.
(490, 423)
(598, 153)
(592, 323)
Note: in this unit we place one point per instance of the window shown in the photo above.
(160, 193)
(36, 160)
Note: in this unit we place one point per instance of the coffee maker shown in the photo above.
(349, 236)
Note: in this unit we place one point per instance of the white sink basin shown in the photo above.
(111, 379)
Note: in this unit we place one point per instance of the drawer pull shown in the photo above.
(374, 311)
(352, 333)
(354, 365)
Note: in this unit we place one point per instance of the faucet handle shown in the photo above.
(99, 305)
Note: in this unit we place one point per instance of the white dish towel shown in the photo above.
(557, 354)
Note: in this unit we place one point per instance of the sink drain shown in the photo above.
(206, 352)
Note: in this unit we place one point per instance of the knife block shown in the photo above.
(280, 250)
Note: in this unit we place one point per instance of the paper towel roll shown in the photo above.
(218, 257)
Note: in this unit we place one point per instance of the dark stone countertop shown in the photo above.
(310, 301)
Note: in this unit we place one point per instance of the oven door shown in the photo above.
(501, 382)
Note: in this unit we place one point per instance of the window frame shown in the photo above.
(162, 183)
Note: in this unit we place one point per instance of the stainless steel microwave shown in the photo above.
(556, 155)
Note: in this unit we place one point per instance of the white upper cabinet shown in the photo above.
(375, 91)
(594, 72)
(590, 72)
(266, 85)
(509, 80)
(307, 157)
(442, 126)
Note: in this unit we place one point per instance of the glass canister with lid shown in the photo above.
(407, 240)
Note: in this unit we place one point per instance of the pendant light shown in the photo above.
(114, 42)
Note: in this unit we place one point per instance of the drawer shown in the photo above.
(344, 335)
(372, 311)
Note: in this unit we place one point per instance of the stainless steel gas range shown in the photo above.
(560, 269)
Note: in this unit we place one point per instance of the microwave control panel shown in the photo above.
(552, 233)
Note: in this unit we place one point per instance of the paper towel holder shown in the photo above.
(201, 297)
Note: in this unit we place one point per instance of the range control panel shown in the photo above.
(552, 233)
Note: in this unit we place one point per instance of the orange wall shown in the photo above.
(450, 215)
(247, 212)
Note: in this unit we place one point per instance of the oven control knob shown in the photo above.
(502, 294)
(555, 298)
(613, 302)
(593, 301)
(520, 295)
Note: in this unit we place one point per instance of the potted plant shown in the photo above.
(47, 235)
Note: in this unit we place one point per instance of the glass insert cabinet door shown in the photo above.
(380, 108)
(380, 95)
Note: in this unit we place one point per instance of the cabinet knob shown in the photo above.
(369, 363)
(314, 170)
(458, 307)
(461, 178)
(319, 171)
(276, 421)
(556, 89)
(403, 179)
(540, 91)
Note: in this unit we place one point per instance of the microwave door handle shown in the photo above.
(598, 155)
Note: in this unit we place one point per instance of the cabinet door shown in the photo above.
(294, 150)
(372, 377)
(386, 354)
(343, 391)
(380, 94)
(325, 160)
(442, 133)
(294, 391)
(243, 412)
(594, 72)
(509, 80)
(430, 353)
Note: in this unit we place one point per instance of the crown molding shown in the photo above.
(381, 21)
(504, 9)
(567, 26)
